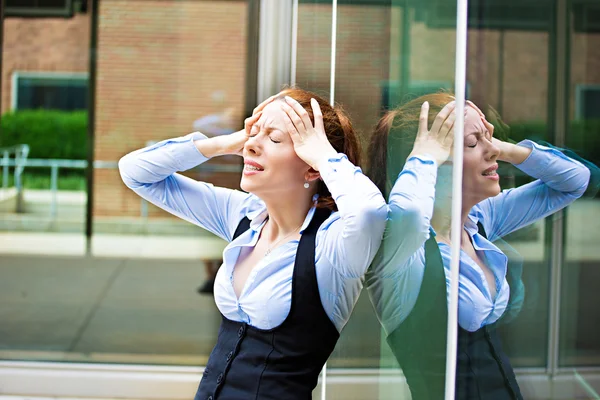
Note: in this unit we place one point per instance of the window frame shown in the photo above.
(36, 11)
(14, 92)
(579, 97)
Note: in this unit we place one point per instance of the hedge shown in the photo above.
(49, 133)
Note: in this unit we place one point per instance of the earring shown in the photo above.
(306, 185)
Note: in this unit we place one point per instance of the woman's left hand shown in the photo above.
(310, 142)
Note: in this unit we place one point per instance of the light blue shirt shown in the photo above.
(395, 278)
(345, 243)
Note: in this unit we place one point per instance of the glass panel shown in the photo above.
(313, 66)
(390, 53)
(507, 47)
(161, 78)
(579, 345)
(531, 65)
(143, 294)
(51, 93)
(313, 72)
(48, 287)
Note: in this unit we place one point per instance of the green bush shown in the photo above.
(49, 133)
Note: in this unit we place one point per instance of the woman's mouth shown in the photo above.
(491, 173)
(251, 167)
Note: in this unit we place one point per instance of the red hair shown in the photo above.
(338, 129)
(394, 137)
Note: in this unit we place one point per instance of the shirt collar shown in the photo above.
(258, 217)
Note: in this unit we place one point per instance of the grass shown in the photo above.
(38, 181)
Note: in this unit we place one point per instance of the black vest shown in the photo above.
(483, 370)
(279, 363)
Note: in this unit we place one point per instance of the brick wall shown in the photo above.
(159, 66)
(43, 44)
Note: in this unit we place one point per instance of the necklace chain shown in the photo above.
(272, 247)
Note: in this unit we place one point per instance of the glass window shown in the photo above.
(40, 8)
(50, 91)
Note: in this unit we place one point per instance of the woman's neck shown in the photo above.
(286, 214)
(441, 221)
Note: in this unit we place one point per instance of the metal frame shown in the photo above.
(556, 251)
(460, 78)
(253, 14)
(89, 207)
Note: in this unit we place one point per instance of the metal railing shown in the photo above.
(20, 152)
(20, 161)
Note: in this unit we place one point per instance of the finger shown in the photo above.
(249, 123)
(318, 115)
(291, 128)
(300, 111)
(441, 117)
(263, 104)
(423, 118)
(294, 118)
(488, 126)
(447, 127)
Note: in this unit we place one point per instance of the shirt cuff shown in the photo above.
(333, 164)
(424, 167)
(185, 151)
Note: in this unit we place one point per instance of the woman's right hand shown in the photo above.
(234, 142)
(436, 142)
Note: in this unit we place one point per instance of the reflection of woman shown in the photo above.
(409, 278)
(301, 239)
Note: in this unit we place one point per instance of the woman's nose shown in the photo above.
(252, 145)
(493, 151)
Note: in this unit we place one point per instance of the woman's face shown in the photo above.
(480, 179)
(270, 162)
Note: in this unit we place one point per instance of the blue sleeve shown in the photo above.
(351, 241)
(560, 181)
(151, 173)
(396, 274)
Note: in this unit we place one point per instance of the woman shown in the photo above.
(409, 279)
(300, 239)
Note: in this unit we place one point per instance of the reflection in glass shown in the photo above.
(579, 326)
(409, 277)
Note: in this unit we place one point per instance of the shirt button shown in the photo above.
(229, 356)
(219, 378)
(241, 331)
(210, 398)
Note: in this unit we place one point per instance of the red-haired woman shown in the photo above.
(301, 239)
(409, 280)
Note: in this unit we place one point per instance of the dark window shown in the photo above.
(57, 93)
(586, 17)
(487, 14)
(39, 8)
(589, 102)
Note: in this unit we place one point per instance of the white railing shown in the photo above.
(20, 161)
